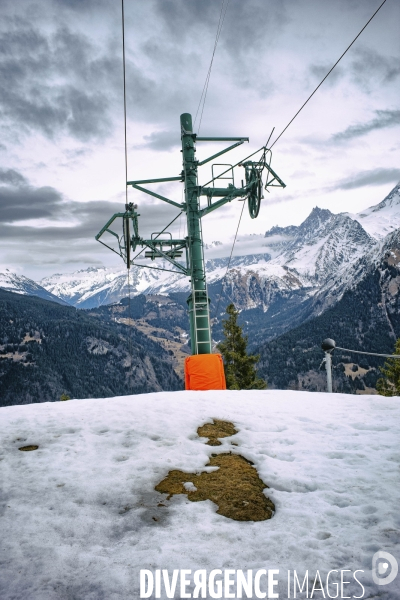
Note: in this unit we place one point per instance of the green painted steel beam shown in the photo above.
(218, 192)
(203, 162)
(154, 180)
(106, 226)
(163, 198)
(218, 204)
(181, 243)
(221, 139)
(275, 176)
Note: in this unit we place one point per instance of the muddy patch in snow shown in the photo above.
(233, 484)
(215, 430)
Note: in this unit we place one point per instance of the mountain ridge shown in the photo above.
(293, 273)
(19, 284)
(365, 318)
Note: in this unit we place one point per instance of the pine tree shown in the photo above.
(389, 384)
(240, 372)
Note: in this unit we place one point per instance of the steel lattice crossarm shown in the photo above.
(162, 245)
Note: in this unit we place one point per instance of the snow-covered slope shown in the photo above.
(81, 517)
(11, 282)
(332, 290)
(322, 245)
(96, 286)
(383, 218)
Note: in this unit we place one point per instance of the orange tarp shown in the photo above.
(204, 372)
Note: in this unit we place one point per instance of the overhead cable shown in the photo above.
(369, 353)
(230, 258)
(224, 8)
(329, 72)
(126, 188)
(303, 105)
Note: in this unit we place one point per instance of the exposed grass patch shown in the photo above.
(235, 487)
(28, 448)
(216, 429)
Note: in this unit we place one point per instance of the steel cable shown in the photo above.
(203, 96)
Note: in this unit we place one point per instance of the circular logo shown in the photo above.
(384, 568)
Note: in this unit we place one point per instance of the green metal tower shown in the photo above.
(162, 245)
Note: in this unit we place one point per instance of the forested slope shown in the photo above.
(366, 318)
(47, 349)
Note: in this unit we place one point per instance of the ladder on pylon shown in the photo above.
(201, 314)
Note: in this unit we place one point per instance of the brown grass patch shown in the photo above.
(235, 487)
(28, 448)
(216, 429)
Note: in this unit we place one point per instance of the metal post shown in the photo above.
(198, 300)
(328, 366)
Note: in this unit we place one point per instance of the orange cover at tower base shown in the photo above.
(204, 372)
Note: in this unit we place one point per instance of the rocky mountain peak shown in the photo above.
(391, 200)
(315, 221)
(381, 219)
(276, 230)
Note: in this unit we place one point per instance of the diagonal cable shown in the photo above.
(300, 109)
(229, 262)
(328, 73)
(222, 15)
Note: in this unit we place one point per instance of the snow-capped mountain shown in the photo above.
(293, 258)
(323, 244)
(95, 286)
(313, 262)
(89, 288)
(303, 260)
(11, 282)
(383, 218)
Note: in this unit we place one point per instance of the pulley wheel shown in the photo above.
(255, 193)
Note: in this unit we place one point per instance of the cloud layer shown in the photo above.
(61, 110)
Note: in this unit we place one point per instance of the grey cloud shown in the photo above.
(80, 5)
(54, 84)
(68, 83)
(370, 68)
(249, 27)
(74, 222)
(319, 71)
(373, 177)
(65, 83)
(25, 202)
(383, 119)
(246, 24)
(9, 176)
(161, 140)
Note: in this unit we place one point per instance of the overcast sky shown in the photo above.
(61, 113)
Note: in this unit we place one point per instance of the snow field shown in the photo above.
(81, 515)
